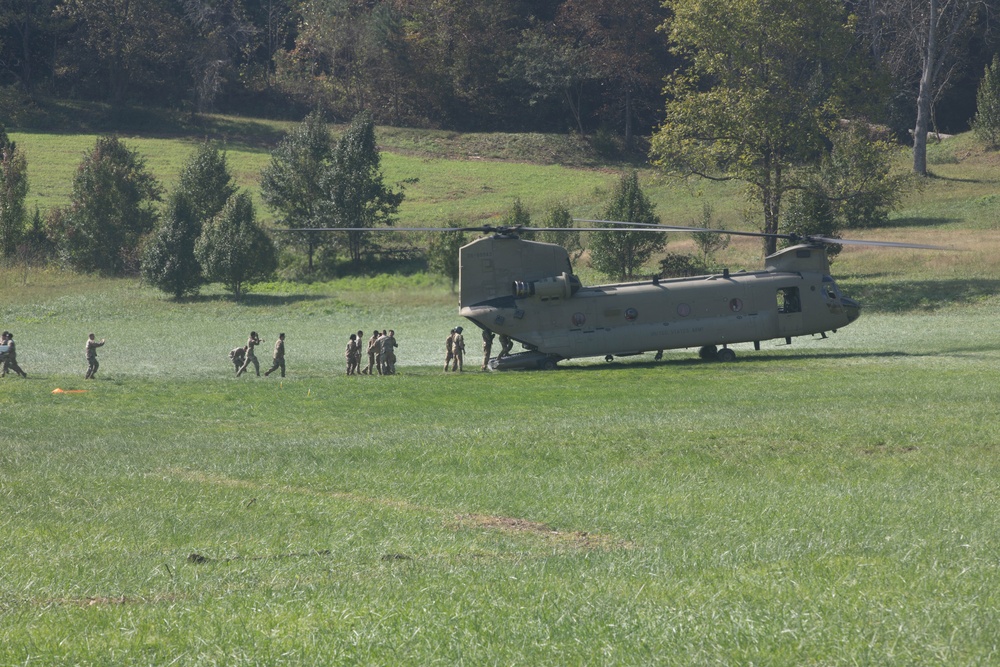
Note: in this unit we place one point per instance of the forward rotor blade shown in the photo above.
(681, 228)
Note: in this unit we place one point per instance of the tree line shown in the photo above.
(590, 66)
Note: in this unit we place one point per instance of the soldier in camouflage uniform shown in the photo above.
(10, 360)
(351, 354)
(488, 337)
(251, 358)
(90, 348)
(458, 349)
(278, 360)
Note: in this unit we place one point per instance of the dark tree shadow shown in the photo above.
(917, 295)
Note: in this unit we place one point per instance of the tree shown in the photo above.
(207, 183)
(13, 191)
(233, 249)
(708, 242)
(761, 95)
(112, 206)
(122, 44)
(554, 67)
(922, 43)
(168, 260)
(987, 121)
(442, 252)
(354, 190)
(621, 253)
(292, 183)
(623, 48)
(810, 211)
(857, 177)
(559, 217)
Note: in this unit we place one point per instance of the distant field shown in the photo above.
(831, 502)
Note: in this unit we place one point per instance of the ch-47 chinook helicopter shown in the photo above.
(526, 291)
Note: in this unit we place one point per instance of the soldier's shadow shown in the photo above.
(254, 299)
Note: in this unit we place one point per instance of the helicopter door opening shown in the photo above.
(789, 311)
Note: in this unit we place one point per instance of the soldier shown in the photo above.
(371, 352)
(279, 356)
(351, 354)
(380, 352)
(10, 360)
(251, 358)
(505, 345)
(449, 346)
(488, 337)
(360, 343)
(237, 355)
(389, 353)
(90, 348)
(458, 349)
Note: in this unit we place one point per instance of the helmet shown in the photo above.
(458, 329)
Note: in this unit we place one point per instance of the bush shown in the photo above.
(986, 122)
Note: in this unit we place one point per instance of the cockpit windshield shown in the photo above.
(830, 288)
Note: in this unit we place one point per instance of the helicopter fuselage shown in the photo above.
(526, 290)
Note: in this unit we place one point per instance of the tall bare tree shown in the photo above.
(922, 44)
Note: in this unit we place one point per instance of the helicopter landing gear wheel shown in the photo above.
(708, 352)
(547, 364)
(726, 355)
(609, 358)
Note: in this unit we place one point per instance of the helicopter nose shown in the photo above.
(851, 308)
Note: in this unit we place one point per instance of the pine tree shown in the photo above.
(623, 253)
(233, 249)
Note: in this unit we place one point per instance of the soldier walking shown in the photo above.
(458, 349)
(90, 348)
(10, 360)
(488, 337)
(279, 356)
(449, 346)
(251, 358)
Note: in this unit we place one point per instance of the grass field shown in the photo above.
(833, 502)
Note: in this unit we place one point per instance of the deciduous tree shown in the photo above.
(292, 183)
(113, 206)
(354, 191)
(762, 93)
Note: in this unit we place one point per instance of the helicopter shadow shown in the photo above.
(752, 357)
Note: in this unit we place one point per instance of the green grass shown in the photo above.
(830, 502)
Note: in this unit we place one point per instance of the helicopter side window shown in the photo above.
(788, 300)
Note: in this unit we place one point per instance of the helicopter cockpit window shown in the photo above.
(830, 288)
(788, 300)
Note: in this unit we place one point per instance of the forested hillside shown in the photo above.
(591, 66)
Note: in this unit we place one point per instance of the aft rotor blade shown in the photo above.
(886, 244)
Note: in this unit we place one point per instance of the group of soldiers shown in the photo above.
(505, 346)
(8, 355)
(381, 349)
(243, 357)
